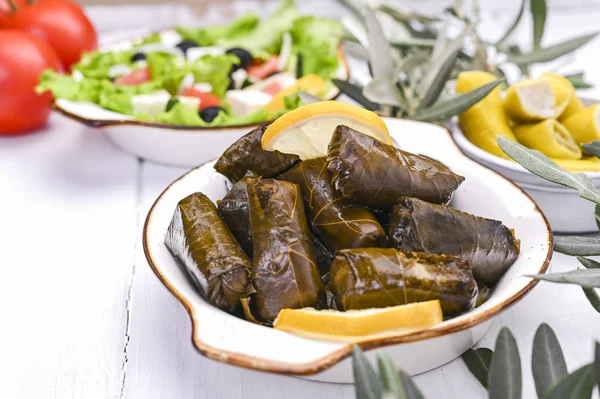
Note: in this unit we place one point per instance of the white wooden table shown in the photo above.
(83, 316)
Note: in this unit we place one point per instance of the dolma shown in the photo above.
(246, 154)
(234, 210)
(340, 223)
(489, 246)
(200, 240)
(375, 174)
(284, 270)
(380, 277)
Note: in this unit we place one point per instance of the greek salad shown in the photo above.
(249, 71)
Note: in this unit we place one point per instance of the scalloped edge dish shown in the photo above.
(216, 334)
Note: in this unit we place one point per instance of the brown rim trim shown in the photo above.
(326, 362)
(98, 124)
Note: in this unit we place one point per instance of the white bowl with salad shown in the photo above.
(182, 96)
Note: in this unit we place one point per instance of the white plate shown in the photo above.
(169, 144)
(228, 339)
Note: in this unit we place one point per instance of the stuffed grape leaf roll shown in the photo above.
(202, 242)
(234, 210)
(340, 223)
(489, 246)
(284, 269)
(375, 174)
(379, 277)
(246, 154)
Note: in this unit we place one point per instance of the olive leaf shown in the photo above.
(578, 82)
(547, 361)
(356, 29)
(593, 147)
(597, 215)
(405, 16)
(352, 6)
(500, 43)
(412, 42)
(551, 53)
(579, 384)
(384, 92)
(588, 263)
(456, 105)
(390, 379)
(411, 390)
(593, 298)
(355, 92)
(542, 166)
(439, 69)
(584, 278)
(577, 246)
(367, 385)
(478, 362)
(505, 370)
(538, 14)
(379, 48)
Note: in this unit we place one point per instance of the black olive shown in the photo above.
(186, 45)
(171, 104)
(299, 66)
(231, 85)
(246, 84)
(138, 57)
(210, 113)
(245, 57)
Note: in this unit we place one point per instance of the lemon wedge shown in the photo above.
(357, 325)
(549, 137)
(584, 125)
(589, 164)
(534, 100)
(307, 130)
(574, 104)
(486, 120)
(312, 84)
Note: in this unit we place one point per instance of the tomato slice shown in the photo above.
(273, 88)
(265, 69)
(207, 100)
(135, 78)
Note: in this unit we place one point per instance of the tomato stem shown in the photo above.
(13, 7)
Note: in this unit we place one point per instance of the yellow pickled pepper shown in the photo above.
(586, 164)
(549, 137)
(574, 105)
(533, 100)
(583, 125)
(486, 120)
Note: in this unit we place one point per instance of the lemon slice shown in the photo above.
(486, 120)
(534, 100)
(356, 325)
(550, 138)
(584, 125)
(312, 84)
(307, 130)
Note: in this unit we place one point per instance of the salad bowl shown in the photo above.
(166, 143)
(218, 335)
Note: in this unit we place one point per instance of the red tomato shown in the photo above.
(23, 57)
(273, 88)
(207, 100)
(134, 78)
(263, 70)
(61, 22)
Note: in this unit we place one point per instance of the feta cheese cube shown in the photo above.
(245, 102)
(196, 53)
(186, 82)
(192, 103)
(118, 70)
(170, 38)
(239, 77)
(150, 104)
(77, 75)
(203, 87)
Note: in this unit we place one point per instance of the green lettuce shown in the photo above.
(316, 39)
(210, 35)
(168, 68)
(153, 38)
(214, 69)
(266, 38)
(97, 64)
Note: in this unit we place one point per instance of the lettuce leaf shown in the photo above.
(210, 35)
(266, 38)
(168, 68)
(214, 69)
(97, 64)
(316, 40)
